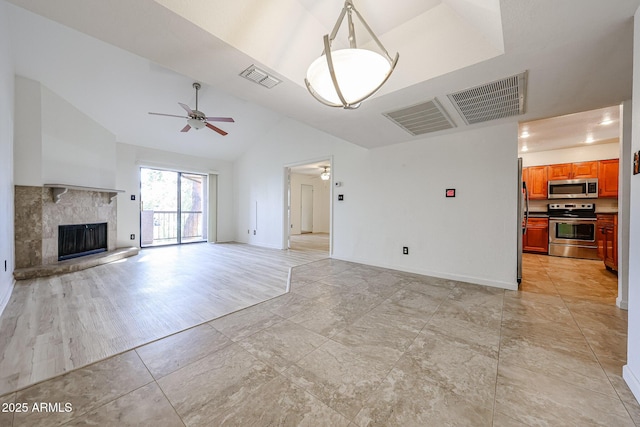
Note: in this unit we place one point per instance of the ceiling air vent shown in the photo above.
(259, 76)
(502, 98)
(421, 118)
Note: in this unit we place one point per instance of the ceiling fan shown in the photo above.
(196, 119)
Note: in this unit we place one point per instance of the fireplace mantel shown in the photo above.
(60, 189)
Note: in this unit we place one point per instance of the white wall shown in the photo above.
(572, 155)
(28, 133)
(321, 202)
(76, 150)
(631, 370)
(129, 160)
(624, 193)
(55, 143)
(394, 197)
(260, 181)
(6, 162)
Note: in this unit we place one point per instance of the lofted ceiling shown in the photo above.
(117, 60)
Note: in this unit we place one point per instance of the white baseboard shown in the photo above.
(441, 275)
(632, 381)
(622, 304)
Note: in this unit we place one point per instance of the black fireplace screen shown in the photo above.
(81, 239)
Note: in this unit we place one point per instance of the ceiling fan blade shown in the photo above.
(186, 128)
(169, 115)
(186, 107)
(220, 119)
(212, 127)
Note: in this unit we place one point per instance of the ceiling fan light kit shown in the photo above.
(325, 175)
(196, 119)
(346, 77)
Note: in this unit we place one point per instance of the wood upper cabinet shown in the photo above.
(559, 171)
(573, 170)
(608, 178)
(584, 170)
(536, 179)
(536, 239)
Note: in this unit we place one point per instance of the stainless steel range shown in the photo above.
(572, 230)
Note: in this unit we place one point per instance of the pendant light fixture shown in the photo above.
(346, 77)
(325, 175)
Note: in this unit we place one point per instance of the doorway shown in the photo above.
(173, 207)
(308, 209)
(563, 249)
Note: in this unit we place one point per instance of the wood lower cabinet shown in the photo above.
(607, 238)
(608, 178)
(536, 239)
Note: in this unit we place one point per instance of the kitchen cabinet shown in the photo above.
(559, 171)
(536, 179)
(572, 170)
(608, 178)
(584, 170)
(607, 238)
(536, 239)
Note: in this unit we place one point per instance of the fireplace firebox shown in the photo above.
(81, 239)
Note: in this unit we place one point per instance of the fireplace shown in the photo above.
(81, 239)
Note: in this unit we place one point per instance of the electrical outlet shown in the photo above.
(340, 197)
(254, 232)
(132, 237)
(405, 250)
(133, 197)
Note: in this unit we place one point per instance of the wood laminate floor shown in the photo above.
(317, 242)
(56, 324)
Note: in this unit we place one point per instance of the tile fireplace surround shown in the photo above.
(37, 218)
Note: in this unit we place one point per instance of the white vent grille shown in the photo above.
(491, 101)
(259, 76)
(421, 118)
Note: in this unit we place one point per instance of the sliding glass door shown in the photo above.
(173, 207)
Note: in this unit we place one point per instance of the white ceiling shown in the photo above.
(118, 60)
(600, 126)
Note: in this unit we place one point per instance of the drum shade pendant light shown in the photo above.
(346, 77)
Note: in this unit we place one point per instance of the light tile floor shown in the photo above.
(353, 345)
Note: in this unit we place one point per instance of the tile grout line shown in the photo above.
(155, 381)
(404, 352)
(495, 389)
(593, 353)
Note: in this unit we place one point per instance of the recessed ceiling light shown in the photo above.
(524, 148)
(524, 134)
(589, 139)
(606, 121)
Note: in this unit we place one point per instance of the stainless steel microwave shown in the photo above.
(573, 189)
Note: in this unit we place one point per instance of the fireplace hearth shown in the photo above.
(78, 240)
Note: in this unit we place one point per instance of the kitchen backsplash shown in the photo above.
(602, 205)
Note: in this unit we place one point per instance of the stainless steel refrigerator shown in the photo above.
(523, 215)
